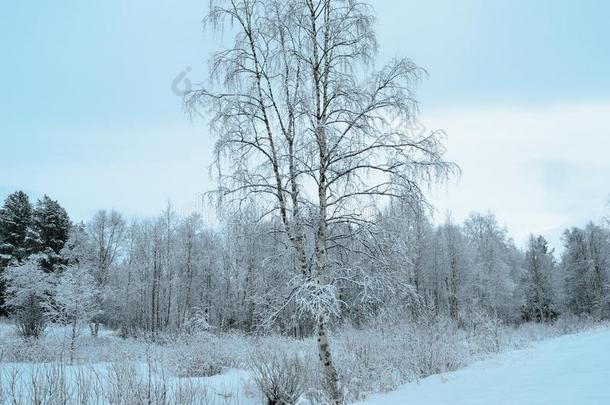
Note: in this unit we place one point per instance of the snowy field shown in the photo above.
(108, 370)
(571, 369)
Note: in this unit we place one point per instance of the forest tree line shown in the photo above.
(170, 272)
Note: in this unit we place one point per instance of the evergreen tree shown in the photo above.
(15, 236)
(15, 228)
(51, 226)
(539, 265)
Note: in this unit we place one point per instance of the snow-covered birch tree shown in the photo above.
(107, 232)
(586, 263)
(539, 267)
(455, 265)
(74, 302)
(308, 130)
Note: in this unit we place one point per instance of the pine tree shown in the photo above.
(51, 227)
(539, 265)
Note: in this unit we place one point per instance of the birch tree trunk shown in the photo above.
(326, 360)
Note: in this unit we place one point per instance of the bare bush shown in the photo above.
(198, 362)
(437, 347)
(31, 322)
(121, 383)
(205, 354)
(281, 377)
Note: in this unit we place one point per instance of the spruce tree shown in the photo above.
(15, 236)
(15, 226)
(51, 228)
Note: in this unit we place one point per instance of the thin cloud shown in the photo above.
(540, 170)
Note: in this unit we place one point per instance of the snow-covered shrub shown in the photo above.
(437, 346)
(525, 334)
(52, 348)
(281, 376)
(568, 323)
(198, 362)
(205, 354)
(383, 355)
(118, 383)
(484, 333)
(29, 351)
(196, 322)
(27, 293)
(368, 361)
(125, 385)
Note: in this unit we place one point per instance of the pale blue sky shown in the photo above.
(87, 114)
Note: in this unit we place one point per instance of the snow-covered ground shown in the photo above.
(105, 380)
(572, 369)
